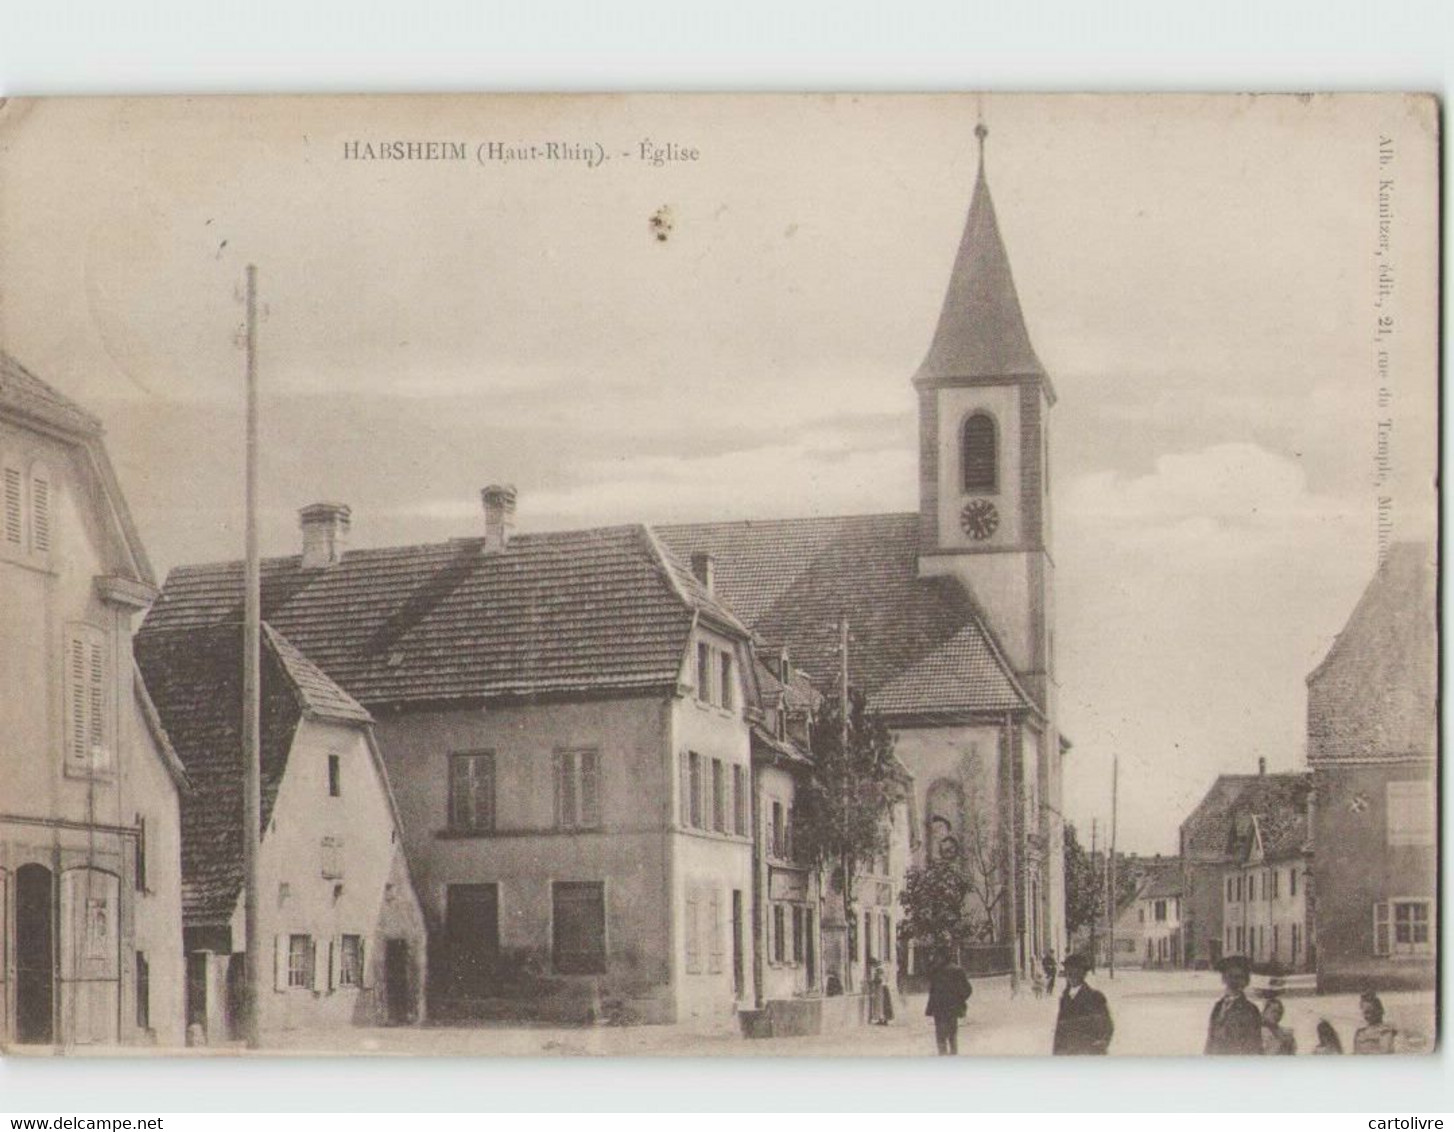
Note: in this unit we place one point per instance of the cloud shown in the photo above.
(823, 474)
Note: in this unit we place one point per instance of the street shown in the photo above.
(1157, 1013)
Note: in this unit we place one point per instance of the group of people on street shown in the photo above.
(1238, 1027)
(1083, 1024)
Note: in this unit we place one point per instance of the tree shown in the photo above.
(842, 812)
(1084, 888)
(934, 898)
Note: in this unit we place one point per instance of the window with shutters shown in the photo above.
(778, 837)
(694, 930)
(714, 931)
(779, 933)
(797, 933)
(577, 789)
(40, 509)
(350, 961)
(472, 791)
(719, 796)
(727, 699)
(300, 962)
(1411, 812)
(979, 452)
(739, 801)
(1412, 927)
(578, 926)
(14, 503)
(87, 673)
(694, 790)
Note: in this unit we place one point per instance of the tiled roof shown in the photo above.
(1163, 879)
(567, 612)
(1375, 694)
(1215, 829)
(23, 392)
(195, 679)
(981, 331)
(792, 580)
(963, 674)
(318, 696)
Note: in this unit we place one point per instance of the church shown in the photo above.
(593, 736)
(950, 610)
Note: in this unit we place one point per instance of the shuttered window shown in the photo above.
(739, 801)
(694, 789)
(577, 789)
(86, 679)
(472, 791)
(694, 931)
(14, 512)
(40, 509)
(714, 931)
(719, 797)
(1380, 929)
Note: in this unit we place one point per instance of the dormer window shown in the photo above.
(979, 454)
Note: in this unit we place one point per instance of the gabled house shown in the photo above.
(1266, 886)
(565, 719)
(1214, 841)
(1373, 748)
(342, 930)
(90, 915)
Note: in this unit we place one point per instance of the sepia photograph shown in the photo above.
(707, 575)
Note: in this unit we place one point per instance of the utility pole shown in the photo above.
(1115, 782)
(251, 700)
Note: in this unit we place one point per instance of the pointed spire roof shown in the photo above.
(981, 330)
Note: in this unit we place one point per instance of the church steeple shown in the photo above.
(984, 402)
(981, 331)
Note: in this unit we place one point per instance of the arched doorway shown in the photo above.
(34, 954)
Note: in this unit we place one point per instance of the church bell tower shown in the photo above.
(984, 401)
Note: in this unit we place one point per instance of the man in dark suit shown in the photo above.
(1084, 1024)
(949, 992)
(1236, 1025)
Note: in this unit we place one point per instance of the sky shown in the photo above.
(1198, 275)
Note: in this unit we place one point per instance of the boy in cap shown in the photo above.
(1236, 1025)
(1083, 1025)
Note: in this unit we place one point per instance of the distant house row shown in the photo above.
(1333, 870)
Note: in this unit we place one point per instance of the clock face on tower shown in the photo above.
(979, 518)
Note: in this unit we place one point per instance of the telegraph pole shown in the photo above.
(251, 700)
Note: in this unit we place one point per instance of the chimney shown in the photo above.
(499, 500)
(704, 566)
(325, 534)
(1261, 766)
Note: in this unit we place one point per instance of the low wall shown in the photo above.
(805, 1017)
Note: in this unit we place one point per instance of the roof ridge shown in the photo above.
(454, 542)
